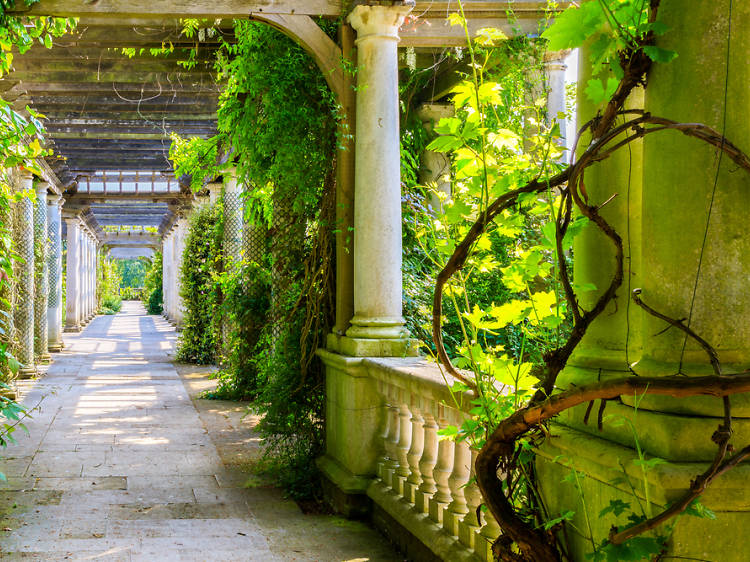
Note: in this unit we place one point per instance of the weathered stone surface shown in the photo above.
(124, 462)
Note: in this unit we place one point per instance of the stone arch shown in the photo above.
(304, 31)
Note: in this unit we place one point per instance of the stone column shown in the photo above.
(73, 276)
(554, 71)
(378, 325)
(54, 266)
(41, 286)
(690, 254)
(85, 276)
(95, 275)
(180, 233)
(436, 166)
(24, 246)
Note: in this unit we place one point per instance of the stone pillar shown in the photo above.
(681, 211)
(24, 311)
(180, 234)
(95, 276)
(41, 286)
(85, 276)
(436, 166)
(554, 71)
(378, 325)
(354, 407)
(54, 267)
(73, 276)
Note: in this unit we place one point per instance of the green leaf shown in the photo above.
(574, 26)
(597, 92)
(657, 54)
(617, 507)
(564, 516)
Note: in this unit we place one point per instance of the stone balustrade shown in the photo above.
(418, 481)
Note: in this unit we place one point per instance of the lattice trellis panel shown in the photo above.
(24, 270)
(54, 262)
(7, 290)
(286, 243)
(41, 281)
(233, 211)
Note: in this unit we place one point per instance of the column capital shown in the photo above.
(554, 59)
(430, 113)
(55, 199)
(379, 21)
(41, 188)
(25, 173)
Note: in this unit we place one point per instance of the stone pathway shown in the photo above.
(124, 463)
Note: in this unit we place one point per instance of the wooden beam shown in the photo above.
(172, 9)
(167, 80)
(436, 32)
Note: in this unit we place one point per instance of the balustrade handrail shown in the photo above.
(418, 376)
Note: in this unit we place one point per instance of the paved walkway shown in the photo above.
(122, 463)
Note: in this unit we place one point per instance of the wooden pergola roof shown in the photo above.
(109, 115)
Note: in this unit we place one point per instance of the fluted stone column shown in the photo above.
(73, 276)
(436, 166)
(378, 325)
(41, 285)
(24, 311)
(54, 266)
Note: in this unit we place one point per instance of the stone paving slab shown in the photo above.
(125, 463)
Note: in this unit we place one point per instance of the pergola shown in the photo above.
(109, 117)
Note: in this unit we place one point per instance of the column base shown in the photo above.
(367, 347)
(600, 462)
(45, 358)
(346, 492)
(55, 347)
(73, 328)
(26, 373)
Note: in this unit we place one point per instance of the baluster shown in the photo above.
(414, 455)
(427, 464)
(489, 533)
(380, 467)
(441, 473)
(404, 444)
(469, 527)
(391, 441)
(458, 508)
